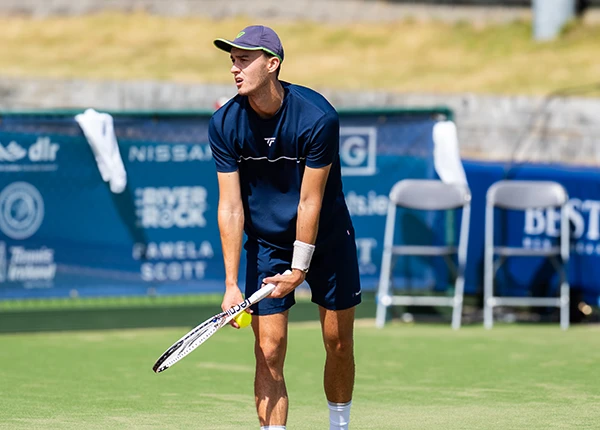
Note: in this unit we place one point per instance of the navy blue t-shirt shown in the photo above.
(271, 155)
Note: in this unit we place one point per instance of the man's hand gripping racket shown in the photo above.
(199, 334)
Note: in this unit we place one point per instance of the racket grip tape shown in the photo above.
(263, 292)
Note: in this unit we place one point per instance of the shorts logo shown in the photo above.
(358, 151)
(21, 210)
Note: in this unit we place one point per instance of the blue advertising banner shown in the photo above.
(64, 233)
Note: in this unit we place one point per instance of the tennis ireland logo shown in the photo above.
(270, 140)
(21, 210)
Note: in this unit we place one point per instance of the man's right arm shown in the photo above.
(230, 213)
(230, 217)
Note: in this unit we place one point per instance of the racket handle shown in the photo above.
(261, 293)
(264, 291)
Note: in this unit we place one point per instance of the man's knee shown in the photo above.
(338, 332)
(270, 334)
(270, 353)
(339, 347)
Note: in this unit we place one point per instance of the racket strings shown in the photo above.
(200, 337)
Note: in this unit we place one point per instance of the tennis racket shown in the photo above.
(200, 334)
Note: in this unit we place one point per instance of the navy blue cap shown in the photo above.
(254, 38)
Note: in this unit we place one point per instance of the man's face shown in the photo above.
(250, 70)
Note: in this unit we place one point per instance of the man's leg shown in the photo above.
(270, 332)
(338, 336)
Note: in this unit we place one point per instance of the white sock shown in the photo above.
(339, 415)
(272, 428)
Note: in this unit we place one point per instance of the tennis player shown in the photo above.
(276, 149)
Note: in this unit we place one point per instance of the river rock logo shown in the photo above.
(21, 210)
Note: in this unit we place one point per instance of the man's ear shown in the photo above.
(273, 64)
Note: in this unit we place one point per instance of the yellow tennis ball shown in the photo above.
(243, 319)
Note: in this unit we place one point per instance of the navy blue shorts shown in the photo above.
(333, 276)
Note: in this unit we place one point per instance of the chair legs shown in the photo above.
(457, 304)
(490, 301)
(488, 314)
(381, 314)
(383, 293)
(564, 305)
(488, 292)
(386, 298)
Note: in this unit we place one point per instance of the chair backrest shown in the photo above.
(429, 194)
(521, 195)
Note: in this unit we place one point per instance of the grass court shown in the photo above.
(421, 376)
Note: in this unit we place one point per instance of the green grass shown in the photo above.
(134, 312)
(109, 302)
(408, 377)
(405, 56)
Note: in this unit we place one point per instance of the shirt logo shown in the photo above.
(270, 140)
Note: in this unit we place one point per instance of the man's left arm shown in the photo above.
(323, 148)
(309, 209)
(307, 226)
(311, 200)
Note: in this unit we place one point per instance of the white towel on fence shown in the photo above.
(100, 133)
(446, 154)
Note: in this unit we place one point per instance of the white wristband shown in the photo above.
(303, 253)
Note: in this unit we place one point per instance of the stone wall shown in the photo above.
(559, 129)
(316, 10)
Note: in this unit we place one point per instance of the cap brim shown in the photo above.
(226, 45)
